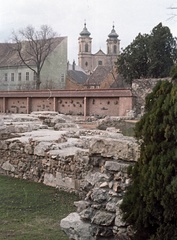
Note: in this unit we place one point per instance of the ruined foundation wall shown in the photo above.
(91, 162)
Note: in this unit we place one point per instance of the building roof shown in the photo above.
(100, 53)
(78, 76)
(9, 56)
(76, 67)
(120, 82)
(98, 75)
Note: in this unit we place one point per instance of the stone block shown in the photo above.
(103, 218)
(64, 182)
(8, 167)
(116, 166)
(75, 228)
(49, 179)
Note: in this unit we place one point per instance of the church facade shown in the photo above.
(89, 61)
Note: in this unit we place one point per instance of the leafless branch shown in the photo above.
(33, 47)
(172, 15)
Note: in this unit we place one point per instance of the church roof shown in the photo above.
(113, 33)
(100, 52)
(85, 32)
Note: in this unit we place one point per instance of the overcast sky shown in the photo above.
(67, 17)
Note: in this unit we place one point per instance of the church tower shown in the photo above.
(113, 45)
(85, 50)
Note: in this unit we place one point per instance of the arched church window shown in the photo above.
(86, 64)
(86, 47)
(115, 49)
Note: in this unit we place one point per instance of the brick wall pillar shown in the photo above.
(27, 105)
(85, 107)
(4, 105)
(54, 104)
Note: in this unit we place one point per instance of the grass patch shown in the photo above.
(32, 211)
(127, 128)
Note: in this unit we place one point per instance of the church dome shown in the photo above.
(85, 32)
(113, 33)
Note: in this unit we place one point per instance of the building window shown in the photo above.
(35, 76)
(100, 63)
(5, 77)
(86, 47)
(12, 77)
(86, 64)
(115, 49)
(19, 76)
(62, 78)
(27, 76)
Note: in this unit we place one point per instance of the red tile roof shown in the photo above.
(98, 75)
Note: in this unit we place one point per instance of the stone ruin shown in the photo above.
(140, 89)
(58, 151)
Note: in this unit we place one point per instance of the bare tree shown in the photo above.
(172, 15)
(33, 47)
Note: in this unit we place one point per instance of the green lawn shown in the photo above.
(32, 211)
(127, 128)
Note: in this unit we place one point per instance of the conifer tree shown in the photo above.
(150, 202)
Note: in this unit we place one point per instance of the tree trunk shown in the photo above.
(38, 81)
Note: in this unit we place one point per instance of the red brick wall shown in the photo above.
(1, 105)
(71, 103)
(124, 105)
(72, 106)
(41, 104)
(16, 105)
(103, 106)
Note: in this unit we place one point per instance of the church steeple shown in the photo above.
(113, 43)
(85, 49)
(89, 61)
(113, 33)
(85, 32)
